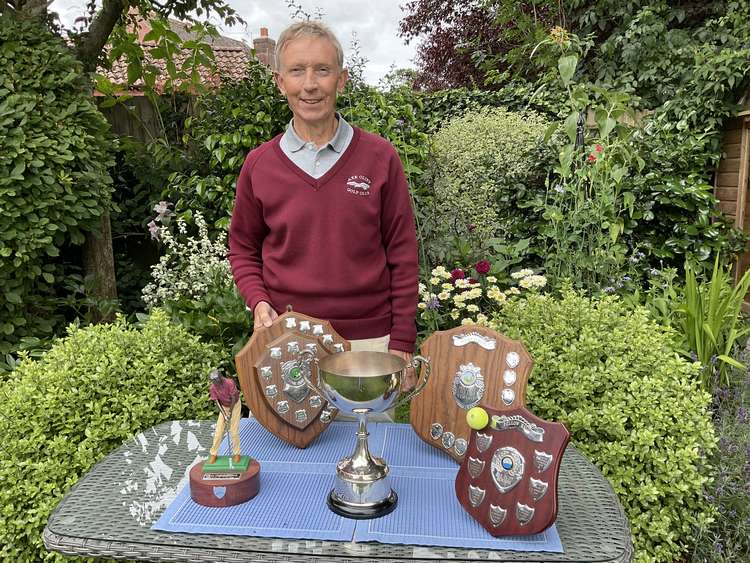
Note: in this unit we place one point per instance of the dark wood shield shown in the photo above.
(280, 375)
(263, 403)
(508, 479)
(471, 365)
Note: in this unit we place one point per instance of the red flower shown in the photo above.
(457, 274)
(598, 148)
(473, 280)
(592, 157)
(482, 267)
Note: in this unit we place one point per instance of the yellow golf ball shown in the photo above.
(477, 418)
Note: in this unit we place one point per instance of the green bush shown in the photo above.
(93, 390)
(488, 165)
(54, 184)
(632, 405)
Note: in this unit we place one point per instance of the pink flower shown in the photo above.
(154, 229)
(592, 157)
(598, 148)
(482, 267)
(457, 274)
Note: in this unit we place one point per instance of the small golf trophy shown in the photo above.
(228, 479)
(360, 383)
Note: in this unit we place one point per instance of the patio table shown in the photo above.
(108, 514)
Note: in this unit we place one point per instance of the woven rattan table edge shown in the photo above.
(128, 551)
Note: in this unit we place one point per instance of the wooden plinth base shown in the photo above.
(227, 488)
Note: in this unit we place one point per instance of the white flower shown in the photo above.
(467, 321)
(491, 279)
(447, 286)
(188, 268)
(521, 274)
(444, 295)
(530, 282)
(422, 305)
(482, 319)
(422, 287)
(441, 272)
(434, 280)
(472, 308)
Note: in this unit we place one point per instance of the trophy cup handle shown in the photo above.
(307, 358)
(416, 361)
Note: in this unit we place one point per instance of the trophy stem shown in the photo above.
(362, 489)
(361, 457)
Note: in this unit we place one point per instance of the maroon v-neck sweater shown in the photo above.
(342, 247)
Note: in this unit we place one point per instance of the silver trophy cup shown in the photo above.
(360, 383)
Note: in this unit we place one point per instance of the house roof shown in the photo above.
(231, 58)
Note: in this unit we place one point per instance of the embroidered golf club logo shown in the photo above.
(358, 185)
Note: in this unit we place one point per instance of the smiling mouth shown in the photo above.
(310, 102)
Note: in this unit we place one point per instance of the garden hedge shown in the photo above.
(93, 390)
(632, 405)
(485, 191)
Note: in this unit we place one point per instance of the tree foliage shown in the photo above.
(54, 181)
(455, 37)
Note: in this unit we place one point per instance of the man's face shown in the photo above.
(310, 78)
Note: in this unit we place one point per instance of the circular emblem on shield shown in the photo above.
(294, 384)
(507, 468)
(468, 386)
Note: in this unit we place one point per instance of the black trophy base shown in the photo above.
(385, 506)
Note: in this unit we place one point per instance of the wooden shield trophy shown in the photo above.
(272, 384)
(471, 365)
(508, 479)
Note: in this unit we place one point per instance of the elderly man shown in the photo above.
(322, 218)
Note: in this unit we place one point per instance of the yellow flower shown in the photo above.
(447, 286)
(514, 291)
(491, 279)
(434, 281)
(422, 305)
(472, 308)
(481, 319)
(440, 271)
(461, 283)
(454, 315)
(467, 321)
(444, 295)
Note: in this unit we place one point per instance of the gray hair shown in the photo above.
(309, 29)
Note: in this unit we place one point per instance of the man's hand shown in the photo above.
(410, 377)
(263, 315)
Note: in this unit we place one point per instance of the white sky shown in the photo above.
(375, 23)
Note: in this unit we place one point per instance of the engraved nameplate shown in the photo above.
(517, 422)
(476, 338)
